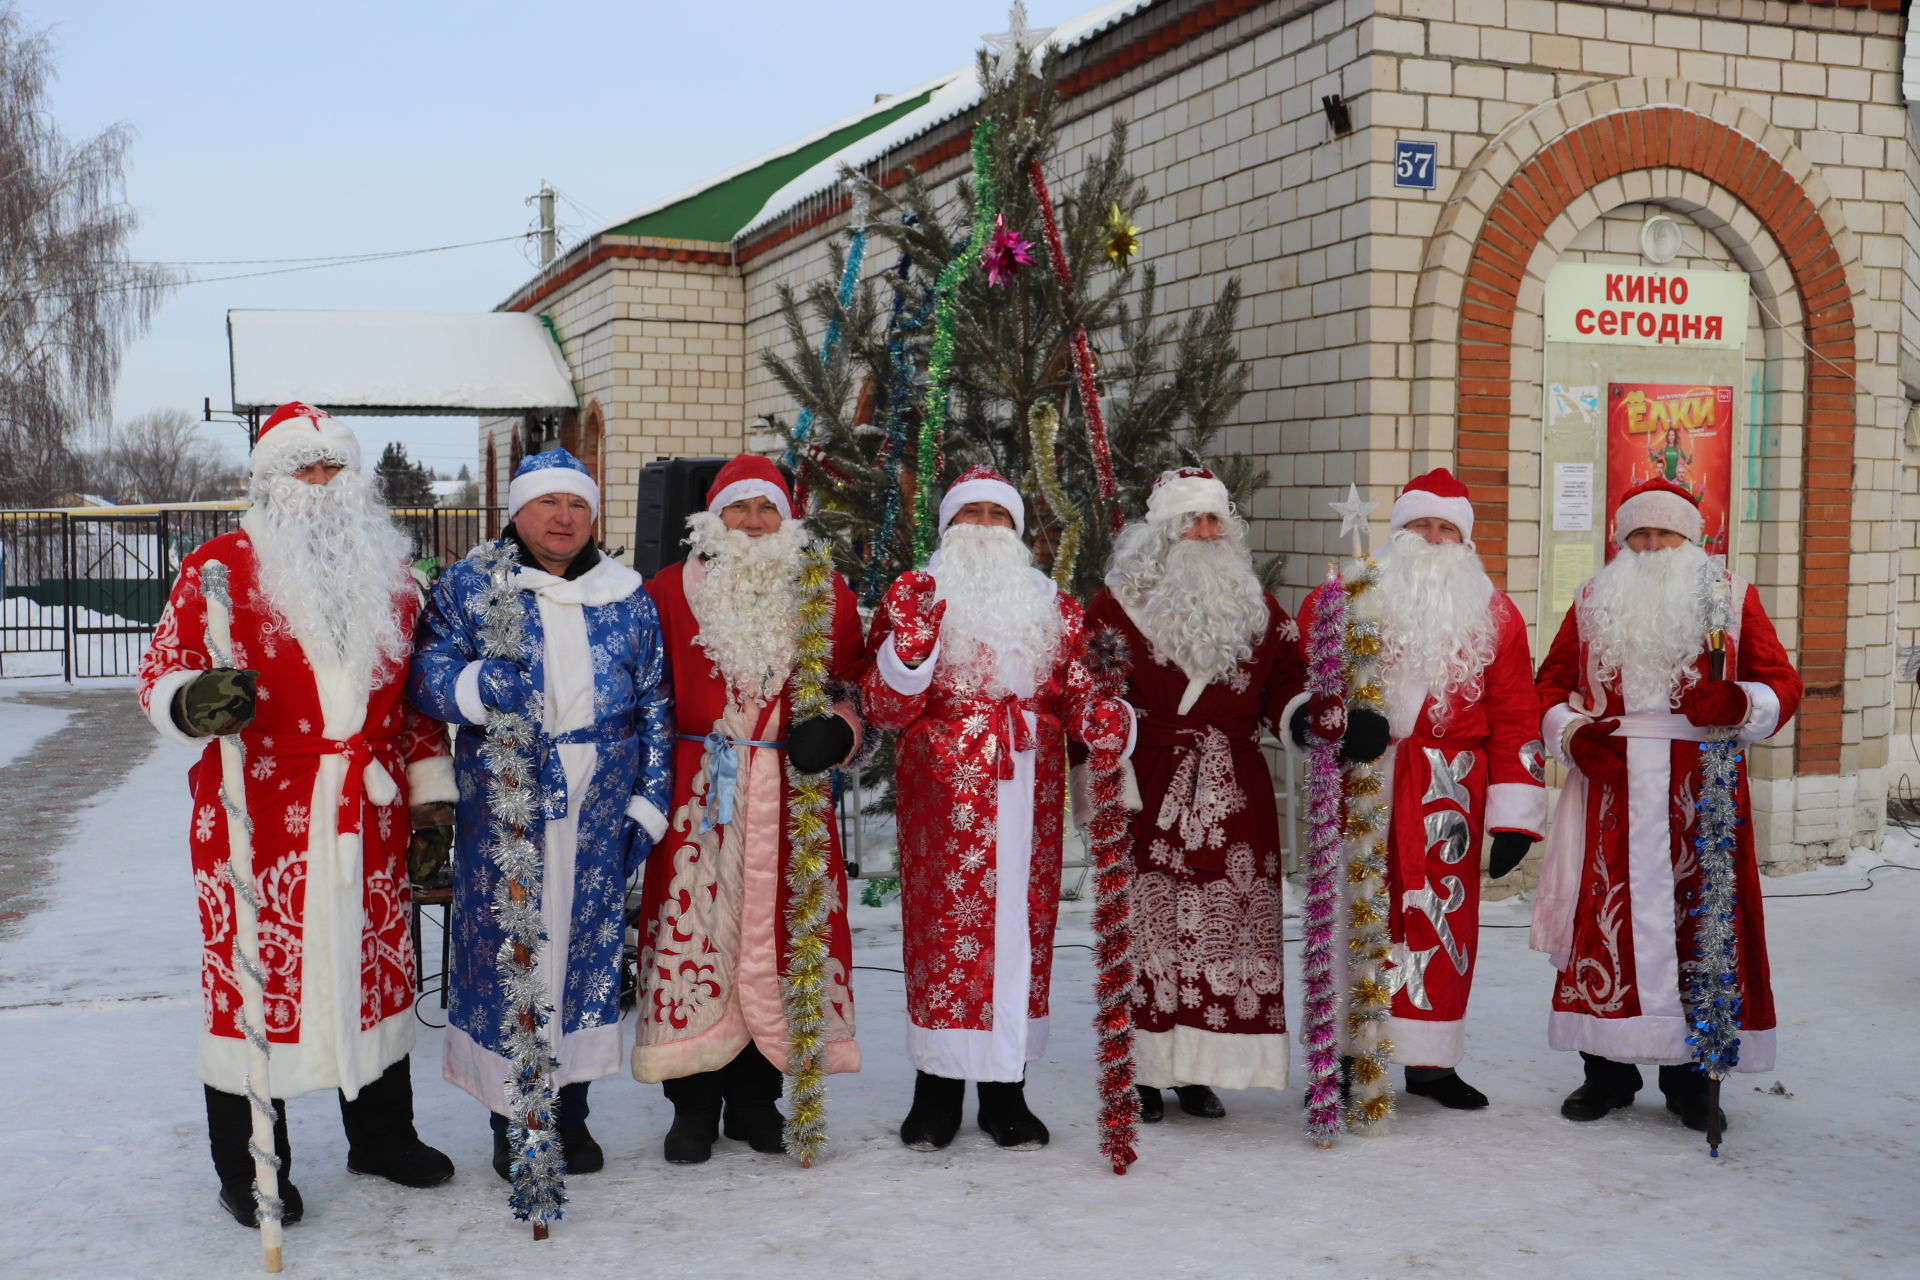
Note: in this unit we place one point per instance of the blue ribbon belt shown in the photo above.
(553, 774)
(723, 773)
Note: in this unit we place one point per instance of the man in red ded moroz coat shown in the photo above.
(336, 763)
(1212, 657)
(1628, 696)
(713, 921)
(978, 662)
(1464, 759)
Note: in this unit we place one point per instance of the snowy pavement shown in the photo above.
(104, 1169)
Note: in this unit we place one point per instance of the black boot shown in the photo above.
(229, 1126)
(1609, 1085)
(1686, 1092)
(380, 1134)
(577, 1147)
(1006, 1119)
(1153, 1108)
(1198, 1100)
(935, 1116)
(1444, 1086)
(751, 1086)
(696, 1117)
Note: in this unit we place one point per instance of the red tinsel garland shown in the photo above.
(1082, 350)
(1111, 831)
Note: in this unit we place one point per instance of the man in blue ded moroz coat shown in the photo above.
(593, 674)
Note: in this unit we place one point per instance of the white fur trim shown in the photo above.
(524, 489)
(908, 682)
(651, 820)
(431, 781)
(381, 789)
(1763, 712)
(741, 490)
(605, 583)
(1656, 510)
(1285, 727)
(1188, 496)
(1417, 503)
(1221, 1059)
(1557, 726)
(1514, 806)
(1650, 1041)
(984, 490)
(295, 438)
(466, 694)
(160, 705)
(1427, 1042)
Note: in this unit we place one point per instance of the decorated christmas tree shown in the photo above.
(1015, 328)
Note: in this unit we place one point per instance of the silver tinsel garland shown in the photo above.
(1712, 982)
(537, 1186)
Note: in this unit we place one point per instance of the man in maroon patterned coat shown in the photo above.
(323, 610)
(1212, 658)
(1629, 694)
(978, 663)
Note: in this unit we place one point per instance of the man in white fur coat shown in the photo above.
(1465, 762)
(1629, 694)
(322, 609)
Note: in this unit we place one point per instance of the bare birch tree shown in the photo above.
(71, 297)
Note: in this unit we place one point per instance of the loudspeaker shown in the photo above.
(671, 489)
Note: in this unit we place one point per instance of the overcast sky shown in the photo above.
(275, 131)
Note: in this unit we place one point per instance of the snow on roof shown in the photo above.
(385, 362)
(959, 94)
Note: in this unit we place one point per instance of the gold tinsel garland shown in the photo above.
(803, 990)
(1043, 424)
(1369, 940)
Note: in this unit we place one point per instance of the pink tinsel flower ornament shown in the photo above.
(1006, 252)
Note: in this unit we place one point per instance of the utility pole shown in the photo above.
(546, 224)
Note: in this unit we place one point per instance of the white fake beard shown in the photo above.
(994, 605)
(748, 603)
(334, 568)
(1646, 619)
(1436, 619)
(1197, 601)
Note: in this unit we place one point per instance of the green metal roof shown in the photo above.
(719, 211)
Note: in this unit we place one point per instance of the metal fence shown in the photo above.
(80, 591)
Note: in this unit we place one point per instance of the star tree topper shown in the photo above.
(1013, 46)
(1354, 515)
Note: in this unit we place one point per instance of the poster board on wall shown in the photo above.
(1680, 432)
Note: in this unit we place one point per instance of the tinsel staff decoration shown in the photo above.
(246, 929)
(537, 1187)
(803, 991)
(1043, 424)
(1712, 976)
(933, 422)
(849, 280)
(1369, 940)
(1082, 350)
(1326, 677)
(1111, 832)
(893, 446)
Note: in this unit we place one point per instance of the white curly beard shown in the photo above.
(748, 603)
(1437, 620)
(1646, 619)
(1197, 601)
(334, 567)
(995, 604)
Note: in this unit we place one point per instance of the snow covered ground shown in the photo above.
(104, 1169)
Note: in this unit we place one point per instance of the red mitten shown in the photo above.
(1326, 716)
(1105, 730)
(1597, 753)
(1715, 704)
(916, 616)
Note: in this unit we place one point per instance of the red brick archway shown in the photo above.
(1549, 181)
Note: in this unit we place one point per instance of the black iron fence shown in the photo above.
(80, 591)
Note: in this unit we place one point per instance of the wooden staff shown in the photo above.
(246, 941)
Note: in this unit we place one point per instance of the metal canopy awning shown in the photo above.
(397, 362)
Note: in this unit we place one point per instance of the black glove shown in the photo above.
(1509, 849)
(1366, 737)
(818, 744)
(216, 703)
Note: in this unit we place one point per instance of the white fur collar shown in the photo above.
(605, 583)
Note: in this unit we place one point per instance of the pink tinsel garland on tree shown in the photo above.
(1111, 831)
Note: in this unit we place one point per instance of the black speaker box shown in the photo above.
(671, 489)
